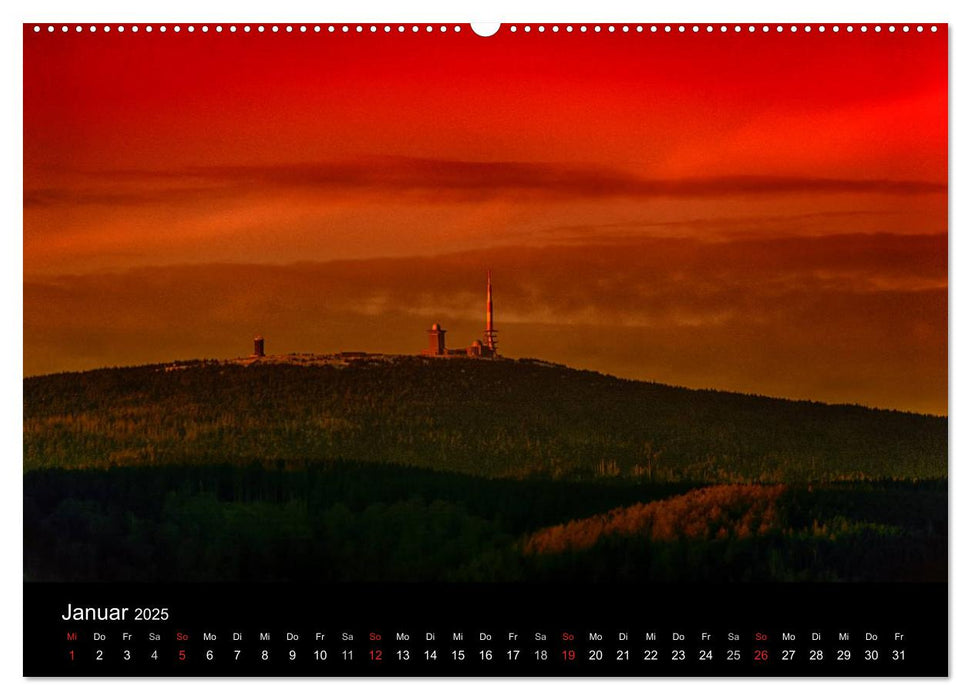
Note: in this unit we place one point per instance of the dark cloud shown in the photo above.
(447, 180)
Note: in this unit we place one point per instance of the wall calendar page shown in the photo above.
(561, 350)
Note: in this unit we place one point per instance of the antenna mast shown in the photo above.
(490, 331)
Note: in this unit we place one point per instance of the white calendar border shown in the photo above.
(11, 618)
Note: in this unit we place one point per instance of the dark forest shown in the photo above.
(411, 469)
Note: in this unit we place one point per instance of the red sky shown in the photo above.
(755, 212)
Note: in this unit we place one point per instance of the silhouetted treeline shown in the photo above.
(505, 418)
(359, 522)
(841, 551)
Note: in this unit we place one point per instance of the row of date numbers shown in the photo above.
(514, 655)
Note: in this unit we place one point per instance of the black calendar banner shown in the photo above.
(486, 630)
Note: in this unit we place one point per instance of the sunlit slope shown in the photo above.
(754, 532)
(508, 418)
(715, 512)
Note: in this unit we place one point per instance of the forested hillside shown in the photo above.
(489, 418)
(412, 469)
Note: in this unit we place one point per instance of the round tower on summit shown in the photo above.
(436, 341)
